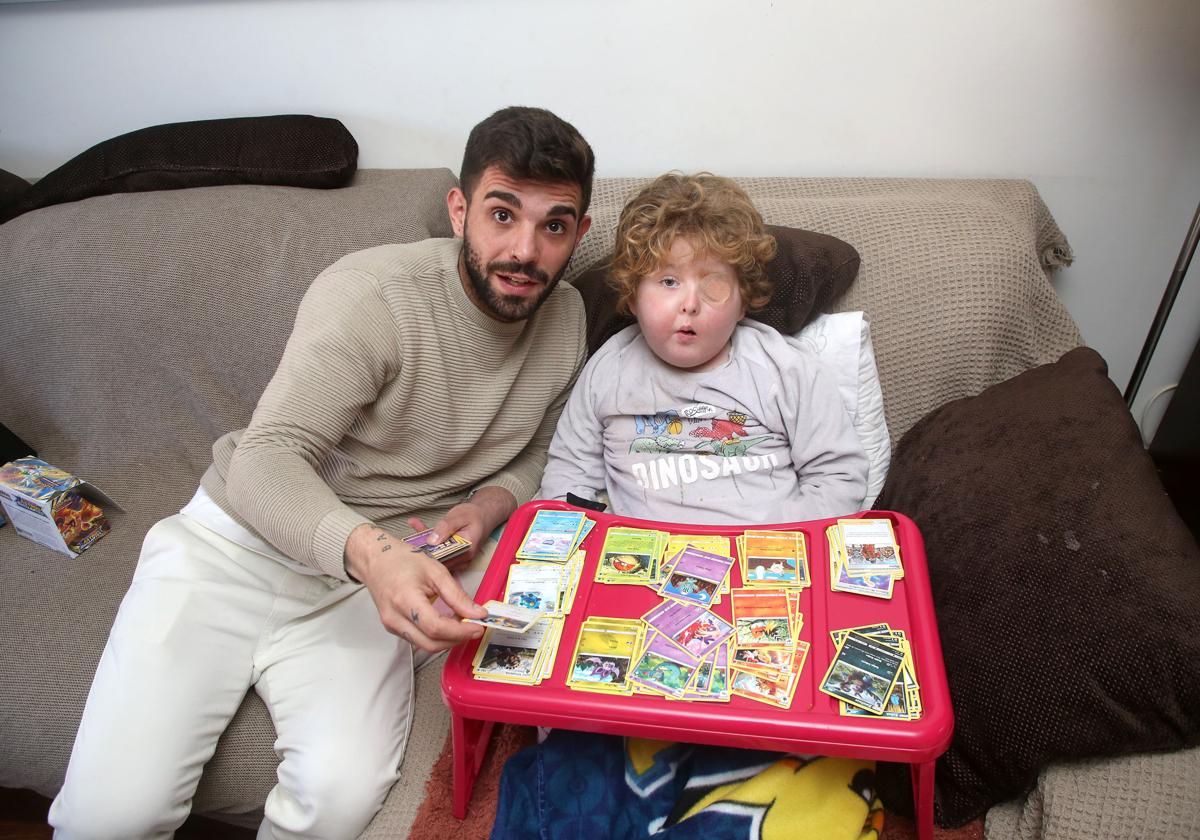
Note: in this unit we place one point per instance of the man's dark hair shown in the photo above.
(529, 144)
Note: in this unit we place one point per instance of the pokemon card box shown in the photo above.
(52, 507)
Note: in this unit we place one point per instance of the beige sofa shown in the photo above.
(140, 327)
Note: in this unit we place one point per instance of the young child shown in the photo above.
(694, 415)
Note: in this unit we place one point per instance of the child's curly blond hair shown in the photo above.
(711, 211)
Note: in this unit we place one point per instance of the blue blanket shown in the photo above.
(580, 786)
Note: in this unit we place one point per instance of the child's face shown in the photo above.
(688, 307)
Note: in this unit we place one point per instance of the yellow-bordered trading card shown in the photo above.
(863, 672)
(602, 657)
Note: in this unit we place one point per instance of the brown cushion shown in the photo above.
(809, 271)
(1065, 583)
(293, 150)
(12, 187)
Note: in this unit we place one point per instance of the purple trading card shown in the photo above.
(442, 551)
(878, 586)
(669, 612)
(663, 667)
(696, 576)
(419, 539)
(702, 635)
(690, 626)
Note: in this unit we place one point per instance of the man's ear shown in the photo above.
(584, 224)
(456, 203)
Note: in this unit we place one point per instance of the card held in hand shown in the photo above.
(502, 616)
(443, 551)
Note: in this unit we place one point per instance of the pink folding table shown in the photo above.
(812, 725)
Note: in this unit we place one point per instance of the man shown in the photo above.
(420, 381)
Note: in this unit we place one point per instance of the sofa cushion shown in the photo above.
(1064, 581)
(809, 271)
(293, 150)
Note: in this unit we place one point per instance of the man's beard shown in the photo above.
(502, 307)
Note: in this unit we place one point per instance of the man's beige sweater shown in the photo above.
(395, 397)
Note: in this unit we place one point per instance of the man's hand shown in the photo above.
(473, 520)
(404, 582)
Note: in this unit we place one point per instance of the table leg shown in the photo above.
(470, 740)
(922, 782)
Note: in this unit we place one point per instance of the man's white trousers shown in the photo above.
(205, 618)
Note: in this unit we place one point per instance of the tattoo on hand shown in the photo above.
(387, 547)
(415, 617)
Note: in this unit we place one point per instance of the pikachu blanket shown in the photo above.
(580, 786)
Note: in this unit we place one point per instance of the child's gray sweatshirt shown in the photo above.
(763, 439)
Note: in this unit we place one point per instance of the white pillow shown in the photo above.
(843, 341)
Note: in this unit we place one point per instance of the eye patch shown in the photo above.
(716, 290)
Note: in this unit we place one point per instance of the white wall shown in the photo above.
(1096, 101)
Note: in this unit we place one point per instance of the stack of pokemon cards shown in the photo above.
(524, 629)
(872, 673)
(442, 551)
(631, 556)
(554, 535)
(774, 558)
(864, 557)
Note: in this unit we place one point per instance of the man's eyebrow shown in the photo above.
(509, 198)
(505, 197)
